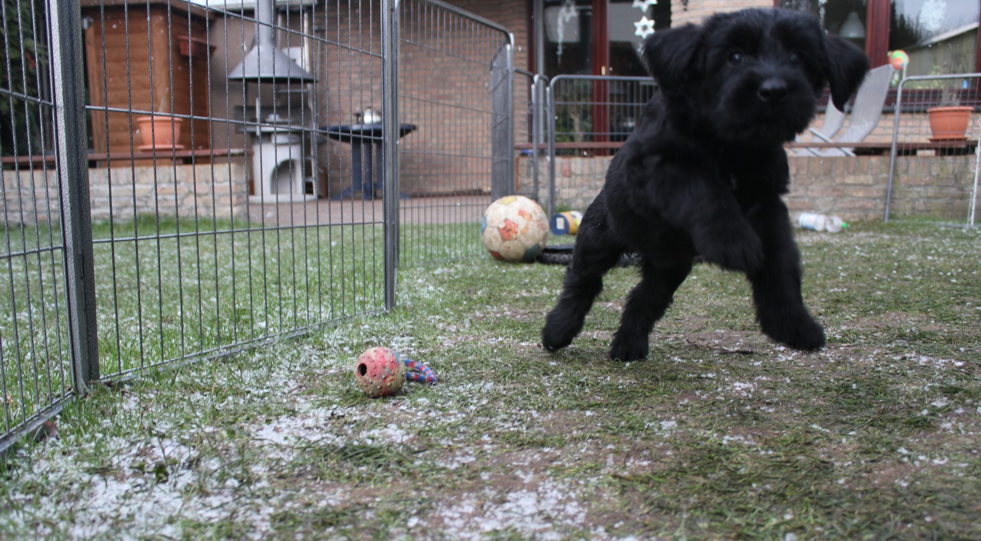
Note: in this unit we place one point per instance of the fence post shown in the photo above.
(892, 150)
(390, 138)
(539, 109)
(535, 120)
(501, 149)
(550, 107)
(73, 180)
(510, 122)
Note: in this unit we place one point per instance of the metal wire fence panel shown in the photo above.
(212, 176)
(589, 117)
(501, 123)
(933, 169)
(454, 87)
(528, 131)
(35, 368)
(234, 173)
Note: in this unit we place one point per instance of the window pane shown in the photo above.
(627, 24)
(568, 39)
(940, 36)
(845, 18)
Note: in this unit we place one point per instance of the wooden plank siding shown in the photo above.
(156, 77)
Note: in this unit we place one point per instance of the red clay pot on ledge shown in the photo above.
(160, 132)
(949, 123)
(195, 47)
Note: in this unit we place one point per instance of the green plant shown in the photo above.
(23, 61)
(950, 95)
(574, 115)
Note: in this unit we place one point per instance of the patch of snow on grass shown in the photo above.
(539, 511)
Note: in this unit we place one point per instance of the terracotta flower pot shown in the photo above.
(195, 47)
(159, 132)
(948, 123)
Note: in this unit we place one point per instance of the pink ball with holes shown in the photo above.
(379, 372)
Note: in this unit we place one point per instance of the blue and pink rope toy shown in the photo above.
(419, 372)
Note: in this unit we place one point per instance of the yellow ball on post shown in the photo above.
(898, 59)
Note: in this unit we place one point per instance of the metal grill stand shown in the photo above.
(278, 152)
(278, 165)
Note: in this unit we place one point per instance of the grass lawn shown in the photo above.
(222, 285)
(719, 434)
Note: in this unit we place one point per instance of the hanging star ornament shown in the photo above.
(645, 27)
(644, 4)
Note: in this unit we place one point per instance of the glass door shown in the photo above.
(628, 22)
(600, 38)
(566, 37)
(597, 37)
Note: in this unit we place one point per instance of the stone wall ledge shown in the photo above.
(853, 188)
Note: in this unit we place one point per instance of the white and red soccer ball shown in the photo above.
(514, 228)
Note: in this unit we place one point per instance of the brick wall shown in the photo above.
(445, 91)
(218, 190)
(855, 188)
(852, 188)
(444, 80)
(451, 143)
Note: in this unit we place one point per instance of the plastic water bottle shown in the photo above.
(820, 222)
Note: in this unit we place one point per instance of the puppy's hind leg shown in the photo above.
(597, 251)
(645, 306)
(780, 306)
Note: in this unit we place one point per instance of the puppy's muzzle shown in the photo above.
(772, 90)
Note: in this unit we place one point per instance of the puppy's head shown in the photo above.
(753, 75)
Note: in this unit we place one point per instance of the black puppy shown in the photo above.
(704, 171)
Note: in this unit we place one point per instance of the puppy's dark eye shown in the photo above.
(736, 58)
(794, 57)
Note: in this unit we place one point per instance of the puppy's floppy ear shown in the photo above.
(845, 66)
(669, 55)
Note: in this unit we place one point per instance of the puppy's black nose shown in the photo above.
(772, 89)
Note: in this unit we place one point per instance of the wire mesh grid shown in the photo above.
(591, 116)
(215, 158)
(221, 181)
(454, 85)
(933, 167)
(529, 97)
(35, 371)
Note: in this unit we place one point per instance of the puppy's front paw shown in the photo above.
(628, 349)
(556, 334)
(739, 249)
(799, 331)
